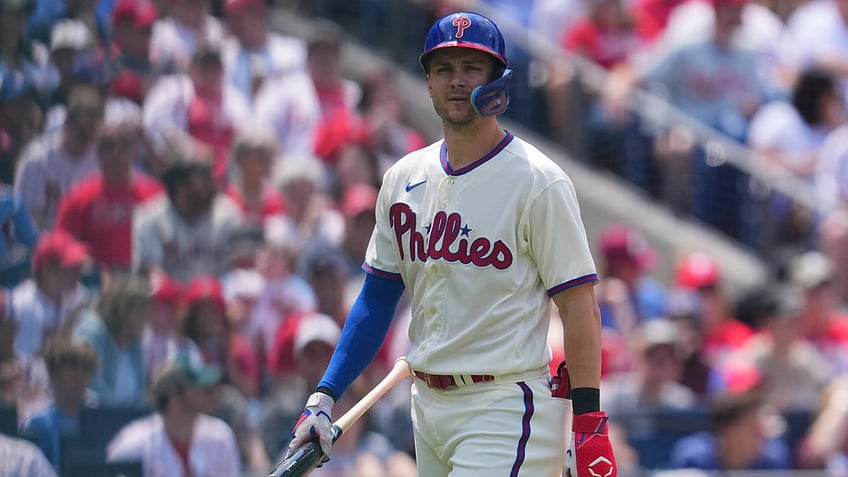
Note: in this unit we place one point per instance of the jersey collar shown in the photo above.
(443, 156)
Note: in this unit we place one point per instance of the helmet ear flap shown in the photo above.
(492, 98)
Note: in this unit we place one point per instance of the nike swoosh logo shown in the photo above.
(410, 186)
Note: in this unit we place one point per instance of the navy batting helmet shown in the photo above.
(472, 30)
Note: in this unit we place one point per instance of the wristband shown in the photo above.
(326, 390)
(585, 400)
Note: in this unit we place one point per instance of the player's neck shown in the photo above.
(467, 144)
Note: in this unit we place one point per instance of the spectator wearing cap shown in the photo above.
(302, 347)
(654, 383)
(208, 325)
(794, 372)
(98, 211)
(253, 151)
(47, 14)
(186, 26)
(48, 303)
(197, 111)
(180, 439)
(722, 333)
(114, 329)
(186, 233)
(132, 24)
(51, 165)
(163, 338)
(740, 440)
(71, 367)
(628, 295)
(822, 320)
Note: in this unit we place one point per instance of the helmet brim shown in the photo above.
(424, 59)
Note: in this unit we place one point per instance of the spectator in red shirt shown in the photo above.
(722, 332)
(98, 211)
(252, 155)
(606, 35)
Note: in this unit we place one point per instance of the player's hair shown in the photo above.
(60, 352)
(121, 296)
(807, 95)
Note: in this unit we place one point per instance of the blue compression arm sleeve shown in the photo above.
(364, 331)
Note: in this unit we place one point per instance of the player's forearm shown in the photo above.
(581, 320)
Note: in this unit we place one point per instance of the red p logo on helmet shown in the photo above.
(461, 24)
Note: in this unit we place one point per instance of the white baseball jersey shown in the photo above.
(213, 450)
(480, 249)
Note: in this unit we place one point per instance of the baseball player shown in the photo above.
(483, 230)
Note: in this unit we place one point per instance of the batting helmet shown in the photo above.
(472, 30)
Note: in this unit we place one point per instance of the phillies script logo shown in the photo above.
(444, 240)
(461, 24)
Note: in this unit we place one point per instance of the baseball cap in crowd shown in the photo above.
(618, 241)
(178, 372)
(59, 248)
(659, 332)
(205, 288)
(70, 34)
(359, 198)
(138, 13)
(243, 283)
(810, 270)
(237, 6)
(166, 289)
(316, 327)
(697, 270)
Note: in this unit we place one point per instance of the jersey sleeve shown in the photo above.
(557, 238)
(381, 257)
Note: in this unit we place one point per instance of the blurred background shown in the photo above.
(188, 187)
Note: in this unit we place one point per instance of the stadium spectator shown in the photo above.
(98, 211)
(114, 329)
(253, 151)
(336, 93)
(794, 371)
(789, 134)
(818, 31)
(627, 258)
(163, 336)
(71, 367)
(51, 165)
(329, 276)
(208, 325)
(606, 34)
(46, 15)
(823, 322)
(187, 233)
(21, 458)
(740, 438)
(132, 25)
(48, 304)
(180, 439)
(302, 352)
(825, 444)
(23, 379)
(653, 385)
(722, 333)
(196, 112)
(186, 26)
(20, 122)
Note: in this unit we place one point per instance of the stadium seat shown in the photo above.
(99, 425)
(104, 469)
(8, 420)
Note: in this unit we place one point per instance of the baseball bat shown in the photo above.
(306, 458)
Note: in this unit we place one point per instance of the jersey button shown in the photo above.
(433, 309)
(444, 203)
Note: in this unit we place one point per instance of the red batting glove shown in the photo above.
(590, 454)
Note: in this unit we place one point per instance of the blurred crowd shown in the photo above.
(187, 196)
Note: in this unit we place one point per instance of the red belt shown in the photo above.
(444, 381)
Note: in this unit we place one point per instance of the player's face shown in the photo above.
(454, 73)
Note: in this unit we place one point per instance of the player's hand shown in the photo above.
(590, 454)
(316, 422)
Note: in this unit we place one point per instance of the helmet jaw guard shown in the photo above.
(472, 30)
(492, 98)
